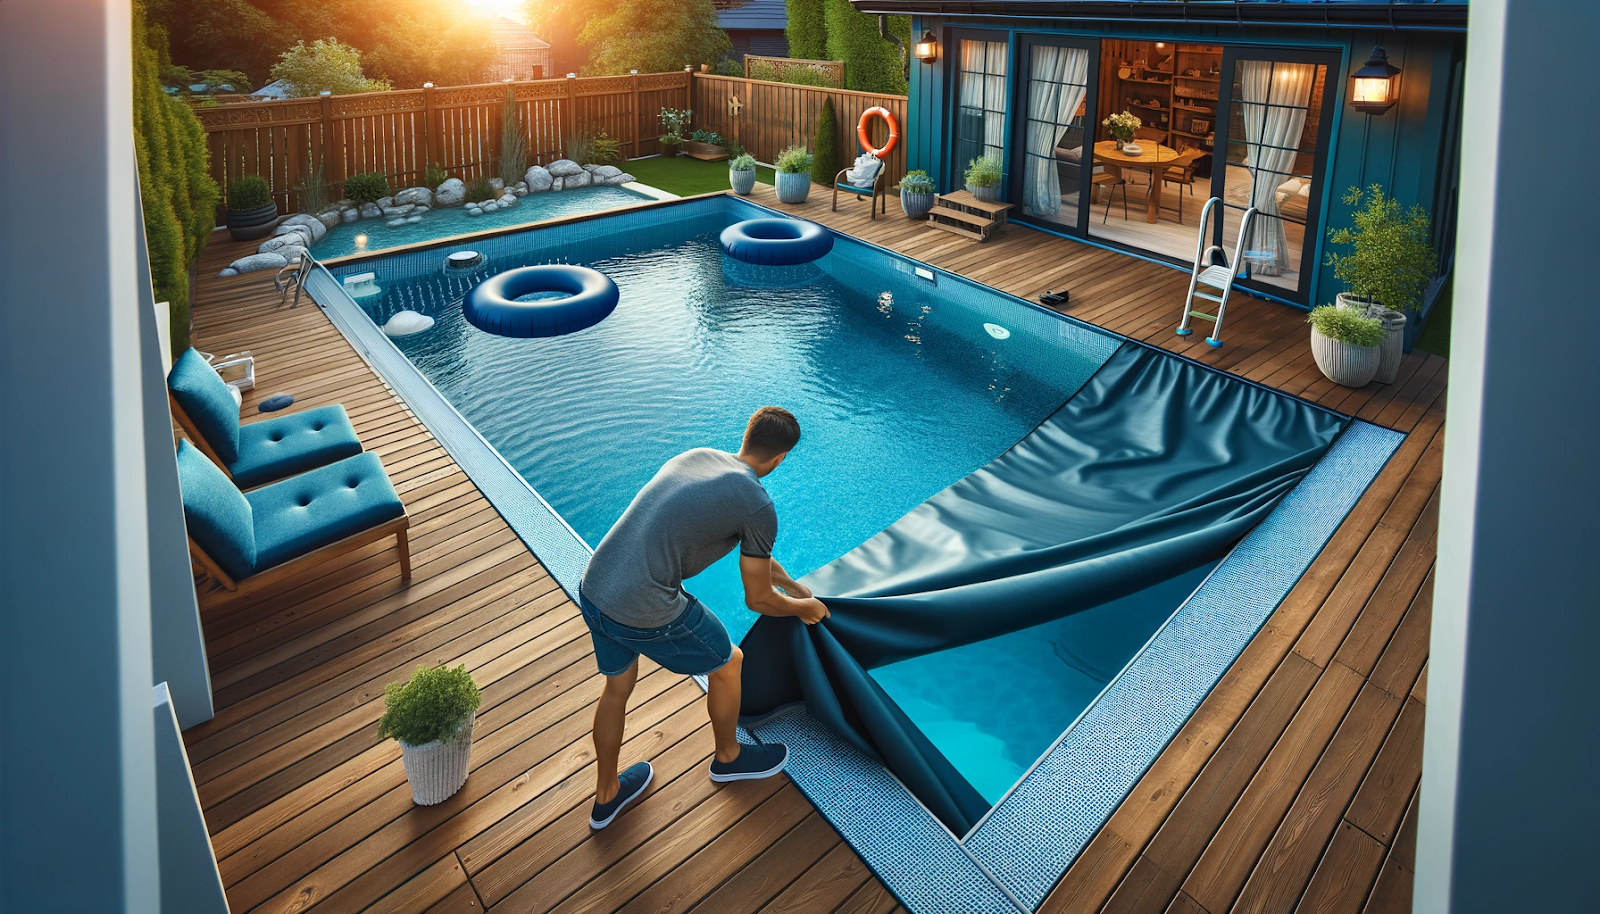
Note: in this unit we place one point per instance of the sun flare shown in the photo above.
(511, 9)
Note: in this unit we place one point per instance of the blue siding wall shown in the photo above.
(1403, 149)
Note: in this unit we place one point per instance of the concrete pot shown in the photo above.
(990, 194)
(743, 182)
(793, 188)
(1394, 323)
(1344, 364)
(437, 770)
(916, 205)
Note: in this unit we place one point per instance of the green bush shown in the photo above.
(676, 120)
(248, 192)
(826, 143)
(480, 190)
(794, 160)
(916, 182)
(871, 62)
(367, 188)
(432, 706)
(806, 29)
(709, 137)
(744, 162)
(1391, 256)
(434, 175)
(793, 74)
(1347, 326)
(312, 189)
(605, 150)
(985, 171)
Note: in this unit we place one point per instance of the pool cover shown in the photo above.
(1155, 467)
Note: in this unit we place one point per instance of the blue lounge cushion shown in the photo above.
(204, 396)
(283, 446)
(217, 514)
(323, 506)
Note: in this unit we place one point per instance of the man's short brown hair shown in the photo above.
(773, 430)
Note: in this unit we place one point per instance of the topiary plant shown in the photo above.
(1391, 257)
(369, 187)
(432, 706)
(1347, 326)
(794, 160)
(916, 181)
(248, 192)
(826, 163)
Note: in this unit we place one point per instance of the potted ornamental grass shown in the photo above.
(793, 178)
(1346, 344)
(742, 174)
(252, 212)
(706, 145)
(983, 178)
(676, 120)
(916, 194)
(431, 716)
(1388, 265)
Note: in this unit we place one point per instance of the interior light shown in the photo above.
(1374, 84)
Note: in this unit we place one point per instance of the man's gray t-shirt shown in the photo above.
(699, 506)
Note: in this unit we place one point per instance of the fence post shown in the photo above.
(568, 114)
(633, 119)
(427, 127)
(334, 164)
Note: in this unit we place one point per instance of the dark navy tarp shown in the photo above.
(1155, 467)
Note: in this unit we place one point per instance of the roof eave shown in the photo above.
(1446, 17)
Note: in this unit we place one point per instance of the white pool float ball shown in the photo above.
(405, 323)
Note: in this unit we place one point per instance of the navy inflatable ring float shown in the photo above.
(492, 305)
(776, 242)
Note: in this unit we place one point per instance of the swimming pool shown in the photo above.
(340, 240)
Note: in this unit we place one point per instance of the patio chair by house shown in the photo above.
(258, 452)
(1181, 173)
(1111, 183)
(247, 540)
(866, 178)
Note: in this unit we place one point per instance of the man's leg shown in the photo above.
(722, 701)
(610, 719)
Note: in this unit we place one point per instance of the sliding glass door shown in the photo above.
(1055, 140)
(980, 92)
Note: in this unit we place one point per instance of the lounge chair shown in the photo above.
(868, 180)
(259, 452)
(247, 540)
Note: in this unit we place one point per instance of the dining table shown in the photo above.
(1153, 157)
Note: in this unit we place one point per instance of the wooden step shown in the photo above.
(957, 230)
(978, 223)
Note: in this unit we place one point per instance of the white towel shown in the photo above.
(864, 171)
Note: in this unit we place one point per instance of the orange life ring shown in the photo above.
(866, 141)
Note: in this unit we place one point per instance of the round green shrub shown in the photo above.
(1347, 325)
(248, 192)
(367, 188)
(825, 164)
(432, 706)
(793, 161)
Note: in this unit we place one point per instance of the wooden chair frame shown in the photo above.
(398, 527)
(880, 191)
(193, 434)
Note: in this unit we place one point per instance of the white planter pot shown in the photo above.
(793, 188)
(1394, 322)
(1344, 364)
(437, 770)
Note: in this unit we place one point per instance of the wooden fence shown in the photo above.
(831, 70)
(771, 116)
(400, 132)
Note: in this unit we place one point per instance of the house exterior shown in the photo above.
(754, 27)
(520, 53)
(1255, 101)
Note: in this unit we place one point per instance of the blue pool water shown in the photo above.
(897, 399)
(444, 223)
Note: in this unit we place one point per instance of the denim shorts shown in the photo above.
(694, 644)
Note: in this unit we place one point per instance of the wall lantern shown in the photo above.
(1375, 83)
(926, 48)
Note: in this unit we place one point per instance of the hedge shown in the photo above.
(871, 62)
(807, 30)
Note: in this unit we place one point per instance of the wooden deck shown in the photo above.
(1291, 788)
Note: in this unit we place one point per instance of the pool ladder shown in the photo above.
(1218, 276)
(292, 276)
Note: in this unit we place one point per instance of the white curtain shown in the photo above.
(1058, 79)
(983, 89)
(1276, 98)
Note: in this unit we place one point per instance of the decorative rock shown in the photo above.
(561, 168)
(227, 271)
(370, 211)
(625, 178)
(279, 242)
(292, 253)
(490, 207)
(590, 168)
(450, 193)
(474, 211)
(497, 185)
(396, 222)
(300, 228)
(413, 219)
(349, 214)
(508, 200)
(537, 179)
(399, 210)
(581, 179)
(328, 218)
(556, 183)
(522, 186)
(257, 262)
(603, 173)
(310, 222)
(520, 190)
(385, 201)
(415, 196)
(419, 210)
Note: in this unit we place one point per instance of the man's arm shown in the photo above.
(759, 576)
(784, 582)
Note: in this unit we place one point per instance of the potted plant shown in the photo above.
(983, 178)
(916, 194)
(793, 180)
(1122, 127)
(1345, 344)
(742, 174)
(251, 210)
(706, 145)
(675, 120)
(1388, 266)
(431, 716)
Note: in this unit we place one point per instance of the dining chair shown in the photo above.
(1181, 173)
(1111, 182)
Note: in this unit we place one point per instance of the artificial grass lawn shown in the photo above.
(684, 176)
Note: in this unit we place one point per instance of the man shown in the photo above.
(697, 508)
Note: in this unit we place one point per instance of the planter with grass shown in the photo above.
(983, 178)
(742, 174)
(793, 178)
(1388, 266)
(1346, 345)
(916, 194)
(431, 716)
(252, 213)
(706, 145)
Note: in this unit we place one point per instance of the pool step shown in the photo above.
(961, 213)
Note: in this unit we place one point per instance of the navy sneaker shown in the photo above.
(634, 781)
(754, 762)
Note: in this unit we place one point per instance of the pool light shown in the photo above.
(997, 331)
(361, 241)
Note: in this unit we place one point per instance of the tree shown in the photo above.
(807, 29)
(825, 146)
(872, 63)
(325, 65)
(434, 46)
(651, 36)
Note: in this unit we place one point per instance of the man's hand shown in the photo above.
(762, 577)
(810, 610)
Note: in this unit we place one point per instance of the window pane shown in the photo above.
(1058, 84)
(981, 101)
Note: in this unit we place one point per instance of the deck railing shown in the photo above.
(400, 132)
